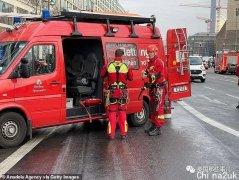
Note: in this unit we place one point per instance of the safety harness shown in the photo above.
(118, 89)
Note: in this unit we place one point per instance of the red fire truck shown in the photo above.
(226, 61)
(49, 70)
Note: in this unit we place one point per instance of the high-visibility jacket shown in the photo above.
(118, 73)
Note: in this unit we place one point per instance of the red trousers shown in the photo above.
(114, 111)
(157, 105)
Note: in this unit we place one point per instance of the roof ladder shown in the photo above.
(110, 19)
(76, 31)
(182, 52)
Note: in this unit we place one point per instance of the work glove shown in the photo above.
(144, 74)
(153, 78)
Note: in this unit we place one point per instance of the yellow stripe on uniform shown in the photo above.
(125, 126)
(109, 128)
(161, 117)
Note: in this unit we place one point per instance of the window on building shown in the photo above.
(5, 7)
(237, 11)
(21, 11)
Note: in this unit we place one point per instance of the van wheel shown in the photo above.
(13, 129)
(203, 80)
(140, 118)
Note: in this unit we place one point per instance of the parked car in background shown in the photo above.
(197, 68)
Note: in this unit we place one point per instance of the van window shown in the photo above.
(8, 52)
(195, 60)
(130, 53)
(42, 59)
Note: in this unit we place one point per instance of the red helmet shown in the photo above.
(152, 48)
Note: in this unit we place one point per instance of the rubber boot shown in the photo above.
(150, 128)
(123, 136)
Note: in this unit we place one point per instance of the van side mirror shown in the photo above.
(25, 68)
(15, 73)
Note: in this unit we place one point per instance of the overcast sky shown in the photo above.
(170, 15)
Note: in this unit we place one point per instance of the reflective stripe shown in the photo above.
(125, 126)
(109, 128)
(120, 83)
(167, 116)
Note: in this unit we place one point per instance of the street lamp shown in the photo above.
(49, 2)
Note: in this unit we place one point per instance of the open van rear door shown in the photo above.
(178, 64)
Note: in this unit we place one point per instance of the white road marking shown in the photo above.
(232, 96)
(208, 120)
(231, 80)
(13, 159)
(209, 88)
(212, 100)
(205, 97)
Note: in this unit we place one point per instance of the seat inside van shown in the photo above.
(83, 61)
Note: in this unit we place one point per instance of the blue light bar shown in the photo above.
(16, 20)
(45, 14)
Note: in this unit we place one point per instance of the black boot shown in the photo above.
(150, 128)
(123, 136)
(155, 132)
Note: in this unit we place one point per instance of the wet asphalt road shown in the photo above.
(186, 141)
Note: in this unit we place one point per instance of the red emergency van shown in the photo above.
(49, 70)
(226, 61)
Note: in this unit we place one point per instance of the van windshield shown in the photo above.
(8, 52)
(195, 60)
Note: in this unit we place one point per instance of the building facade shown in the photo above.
(55, 6)
(232, 15)
(202, 44)
(228, 37)
(108, 6)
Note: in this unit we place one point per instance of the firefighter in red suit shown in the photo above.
(118, 73)
(237, 74)
(155, 72)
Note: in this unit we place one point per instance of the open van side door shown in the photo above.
(178, 65)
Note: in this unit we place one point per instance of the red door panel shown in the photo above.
(178, 64)
(41, 94)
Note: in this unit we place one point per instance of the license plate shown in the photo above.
(180, 89)
(194, 75)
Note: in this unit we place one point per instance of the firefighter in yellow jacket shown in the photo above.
(118, 73)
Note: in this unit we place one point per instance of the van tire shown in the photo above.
(139, 119)
(13, 129)
(203, 80)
